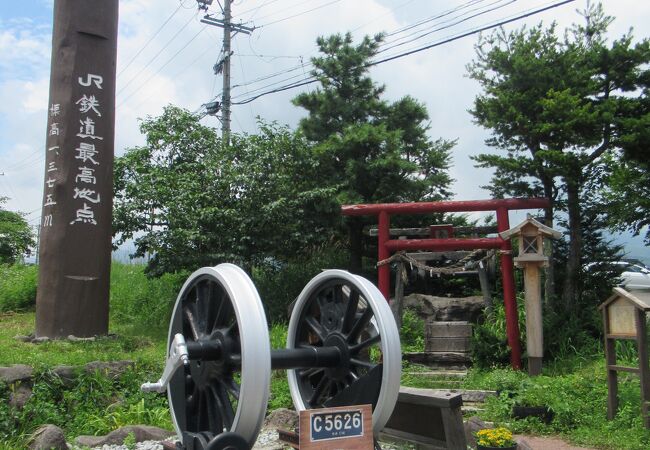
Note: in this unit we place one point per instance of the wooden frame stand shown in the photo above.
(624, 317)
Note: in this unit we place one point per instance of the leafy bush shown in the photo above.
(412, 332)
(489, 345)
(142, 301)
(578, 401)
(17, 287)
(280, 283)
(91, 404)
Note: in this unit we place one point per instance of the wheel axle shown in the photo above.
(342, 349)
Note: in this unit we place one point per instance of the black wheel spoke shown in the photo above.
(308, 373)
(360, 325)
(350, 312)
(361, 363)
(217, 411)
(191, 321)
(226, 409)
(316, 327)
(322, 386)
(224, 313)
(337, 292)
(232, 387)
(202, 305)
(365, 344)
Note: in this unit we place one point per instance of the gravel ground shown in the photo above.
(145, 445)
(266, 440)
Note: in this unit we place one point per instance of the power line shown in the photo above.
(283, 10)
(417, 50)
(164, 47)
(299, 14)
(150, 39)
(163, 66)
(434, 30)
(255, 10)
(183, 69)
(309, 65)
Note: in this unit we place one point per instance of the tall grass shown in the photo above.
(17, 287)
(142, 302)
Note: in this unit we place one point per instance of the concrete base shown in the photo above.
(534, 365)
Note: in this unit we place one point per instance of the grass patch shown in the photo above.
(149, 348)
(17, 287)
(576, 391)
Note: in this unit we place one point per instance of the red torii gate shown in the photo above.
(501, 206)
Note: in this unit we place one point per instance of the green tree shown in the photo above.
(556, 106)
(191, 202)
(368, 149)
(16, 236)
(627, 196)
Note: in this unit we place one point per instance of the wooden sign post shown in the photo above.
(531, 257)
(345, 427)
(75, 231)
(624, 317)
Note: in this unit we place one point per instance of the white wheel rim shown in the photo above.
(255, 347)
(383, 321)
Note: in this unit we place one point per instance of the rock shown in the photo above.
(74, 338)
(141, 432)
(17, 372)
(287, 419)
(24, 338)
(41, 339)
(20, 395)
(48, 437)
(429, 307)
(112, 369)
(522, 444)
(472, 425)
(67, 374)
(446, 360)
(169, 445)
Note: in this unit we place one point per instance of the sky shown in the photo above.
(165, 56)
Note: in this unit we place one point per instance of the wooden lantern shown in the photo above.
(531, 234)
(624, 317)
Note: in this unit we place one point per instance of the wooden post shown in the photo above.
(398, 301)
(75, 234)
(612, 375)
(485, 289)
(534, 324)
(644, 373)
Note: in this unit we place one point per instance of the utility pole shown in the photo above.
(225, 100)
(223, 65)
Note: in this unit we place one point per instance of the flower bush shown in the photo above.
(495, 437)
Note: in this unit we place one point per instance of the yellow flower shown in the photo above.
(495, 437)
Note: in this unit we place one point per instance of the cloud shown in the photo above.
(158, 66)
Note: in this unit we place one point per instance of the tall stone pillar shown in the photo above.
(75, 237)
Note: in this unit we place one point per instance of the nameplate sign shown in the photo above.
(345, 427)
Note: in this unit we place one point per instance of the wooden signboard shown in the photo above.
(345, 427)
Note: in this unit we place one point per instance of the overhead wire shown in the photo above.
(163, 66)
(449, 25)
(298, 14)
(289, 8)
(150, 39)
(162, 49)
(304, 66)
(434, 17)
(257, 8)
(183, 69)
(418, 49)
